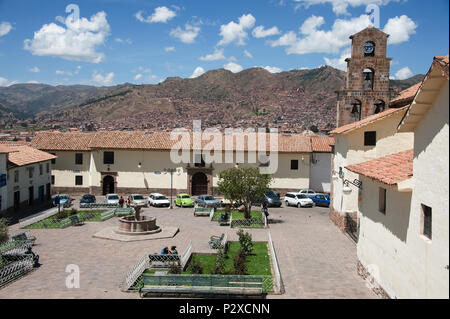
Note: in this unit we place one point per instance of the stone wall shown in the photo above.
(376, 288)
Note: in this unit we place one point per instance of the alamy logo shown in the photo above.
(373, 11)
(73, 279)
(235, 146)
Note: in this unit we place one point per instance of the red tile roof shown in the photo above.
(21, 155)
(390, 170)
(4, 149)
(322, 144)
(406, 96)
(139, 140)
(367, 121)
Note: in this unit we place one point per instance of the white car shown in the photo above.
(299, 200)
(112, 198)
(158, 200)
(307, 192)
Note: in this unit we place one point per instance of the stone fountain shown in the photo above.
(137, 225)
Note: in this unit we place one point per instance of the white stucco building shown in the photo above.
(24, 178)
(403, 212)
(135, 162)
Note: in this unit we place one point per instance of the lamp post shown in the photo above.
(171, 171)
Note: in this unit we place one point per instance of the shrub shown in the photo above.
(3, 230)
(239, 262)
(196, 267)
(73, 211)
(219, 265)
(174, 269)
(61, 215)
(245, 240)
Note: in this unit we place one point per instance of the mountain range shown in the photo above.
(216, 97)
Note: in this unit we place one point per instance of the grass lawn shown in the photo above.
(51, 222)
(258, 262)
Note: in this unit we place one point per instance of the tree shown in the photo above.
(314, 129)
(243, 185)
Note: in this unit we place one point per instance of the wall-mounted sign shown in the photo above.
(76, 172)
(157, 173)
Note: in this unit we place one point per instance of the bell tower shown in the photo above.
(367, 90)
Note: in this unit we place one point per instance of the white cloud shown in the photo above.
(187, 35)
(138, 76)
(34, 69)
(69, 73)
(103, 79)
(273, 69)
(311, 24)
(233, 67)
(248, 54)
(169, 49)
(259, 32)
(120, 40)
(341, 6)
(339, 63)
(217, 55)
(78, 41)
(399, 29)
(4, 82)
(320, 41)
(235, 32)
(197, 72)
(5, 28)
(161, 14)
(404, 73)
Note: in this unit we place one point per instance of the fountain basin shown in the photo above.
(128, 225)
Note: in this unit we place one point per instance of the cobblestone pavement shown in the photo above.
(316, 260)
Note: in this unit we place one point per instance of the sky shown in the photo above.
(109, 42)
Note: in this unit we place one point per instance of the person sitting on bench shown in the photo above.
(165, 251)
(173, 250)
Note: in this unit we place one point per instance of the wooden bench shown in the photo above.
(201, 285)
(215, 242)
(163, 261)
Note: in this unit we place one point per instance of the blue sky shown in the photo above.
(139, 41)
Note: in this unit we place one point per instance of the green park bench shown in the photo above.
(163, 261)
(107, 215)
(202, 211)
(75, 220)
(202, 285)
(24, 237)
(215, 242)
(124, 211)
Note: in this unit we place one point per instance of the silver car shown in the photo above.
(207, 201)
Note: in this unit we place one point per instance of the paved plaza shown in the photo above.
(315, 259)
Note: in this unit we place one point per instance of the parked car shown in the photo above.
(308, 192)
(87, 199)
(137, 200)
(112, 198)
(158, 200)
(272, 199)
(184, 200)
(299, 200)
(64, 200)
(321, 200)
(207, 200)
